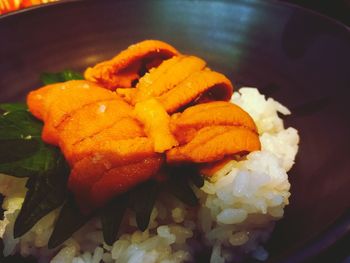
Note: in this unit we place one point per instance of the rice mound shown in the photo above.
(239, 206)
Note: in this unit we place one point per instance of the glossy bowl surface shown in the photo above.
(298, 57)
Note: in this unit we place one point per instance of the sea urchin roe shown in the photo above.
(185, 125)
(178, 82)
(97, 137)
(54, 103)
(168, 75)
(122, 70)
(124, 128)
(114, 142)
(123, 164)
(195, 87)
(208, 132)
(148, 79)
(156, 122)
(106, 156)
(214, 143)
(82, 132)
(122, 178)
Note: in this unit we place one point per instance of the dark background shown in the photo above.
(337, 9)
(340, 11)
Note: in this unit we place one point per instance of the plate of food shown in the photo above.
(172, 131)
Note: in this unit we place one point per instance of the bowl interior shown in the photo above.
(295, 56)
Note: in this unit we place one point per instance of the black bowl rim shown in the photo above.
(269, 2)
(332, 233)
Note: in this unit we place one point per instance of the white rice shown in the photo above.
(238, 208)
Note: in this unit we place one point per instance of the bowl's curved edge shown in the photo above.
(310, 11)
(318, 244)
(274, 2)
(331, 234)
(36, 7)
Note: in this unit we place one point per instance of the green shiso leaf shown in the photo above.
(68, 222)
(111, 218)
(142, 199)
(65, 75)
(8, 107)
(21, 150)
(50, 78)
(24, 154)
(38, 163)
(28, 147)
(19, 124)
(71, 75)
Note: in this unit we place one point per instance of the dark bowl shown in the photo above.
(300, 58)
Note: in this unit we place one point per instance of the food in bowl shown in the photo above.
(150, 157)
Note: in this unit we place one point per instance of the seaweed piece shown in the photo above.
(181, 189)
(179, 186)
(189, 171)
(193, 174)
(111, 218)
(65, 75)
(197, 179)
(46, 192)
(142, 200)
(68, 222)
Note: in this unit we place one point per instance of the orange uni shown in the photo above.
(123, 69)
(176, 112)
